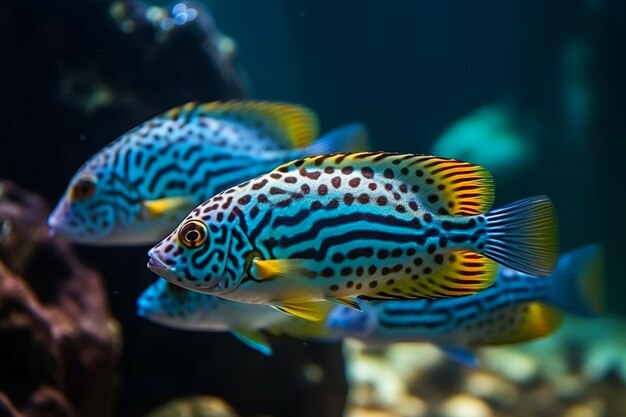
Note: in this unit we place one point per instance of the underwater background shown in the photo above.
(533, 91)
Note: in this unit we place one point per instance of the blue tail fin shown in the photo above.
(578, 282)
(352, 137)
(524, 236)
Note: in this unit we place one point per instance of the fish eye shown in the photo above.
(192, 234)
(83, 189)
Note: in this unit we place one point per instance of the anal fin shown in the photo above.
(441, 275)
(313, 311)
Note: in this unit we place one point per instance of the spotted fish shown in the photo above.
(137, 189)
(173, 306)
(371, 224)
(516, 308)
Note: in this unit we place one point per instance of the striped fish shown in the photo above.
(137, 189)
(516, 308)
(173, 306)
(372, 224)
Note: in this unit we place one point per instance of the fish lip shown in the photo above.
(158, 267)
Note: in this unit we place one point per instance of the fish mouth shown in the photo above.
(158, 267)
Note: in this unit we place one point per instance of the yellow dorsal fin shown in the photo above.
(443, 186)
(518, 323)
(440, 275)
(292, 125)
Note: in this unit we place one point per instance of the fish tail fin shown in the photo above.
(524, 236)
(578, 285)
(349, 137)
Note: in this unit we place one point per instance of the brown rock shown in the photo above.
(199, 406)
(59, 342)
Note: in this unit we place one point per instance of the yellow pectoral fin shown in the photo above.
(157, 208)
(312, 311)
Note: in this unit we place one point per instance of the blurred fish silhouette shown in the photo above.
(138, 188)
(371, 224)
(490, 136)
(516, 308)
(173, 306)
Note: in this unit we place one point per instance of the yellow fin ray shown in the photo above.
(445, 275)
(313, 311)
(345, 301)
(295, 125)
(273, 268)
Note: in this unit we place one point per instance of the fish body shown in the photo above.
(178, 308)
(372, 224)
(516, 308)
(137, 189)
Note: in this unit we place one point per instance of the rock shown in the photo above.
(60, 345)
(462, 405)
(408, 359)
(588, 409)
(411, 406)
(492, 388)
(200, 406)
(376, 373)
(512, 364)
(369, 412)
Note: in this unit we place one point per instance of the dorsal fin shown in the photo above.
(444, 186)
(518, 323)
(293, 125)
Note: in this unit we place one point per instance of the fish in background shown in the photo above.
(137, 189)
(516, 308)
(375, 225)
(178, 308)
(490, 136)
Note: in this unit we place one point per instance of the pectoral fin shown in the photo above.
(159, 207)
(273, 268)
(459, 354)
(253, 338)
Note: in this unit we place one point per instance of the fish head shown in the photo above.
(349, 322)
(173, 306)
(97, 207)
(197, 255)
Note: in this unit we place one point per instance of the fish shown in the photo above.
(137, 189)
(172, 306)
(494, 136)
(372, 225)
(517, 308)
